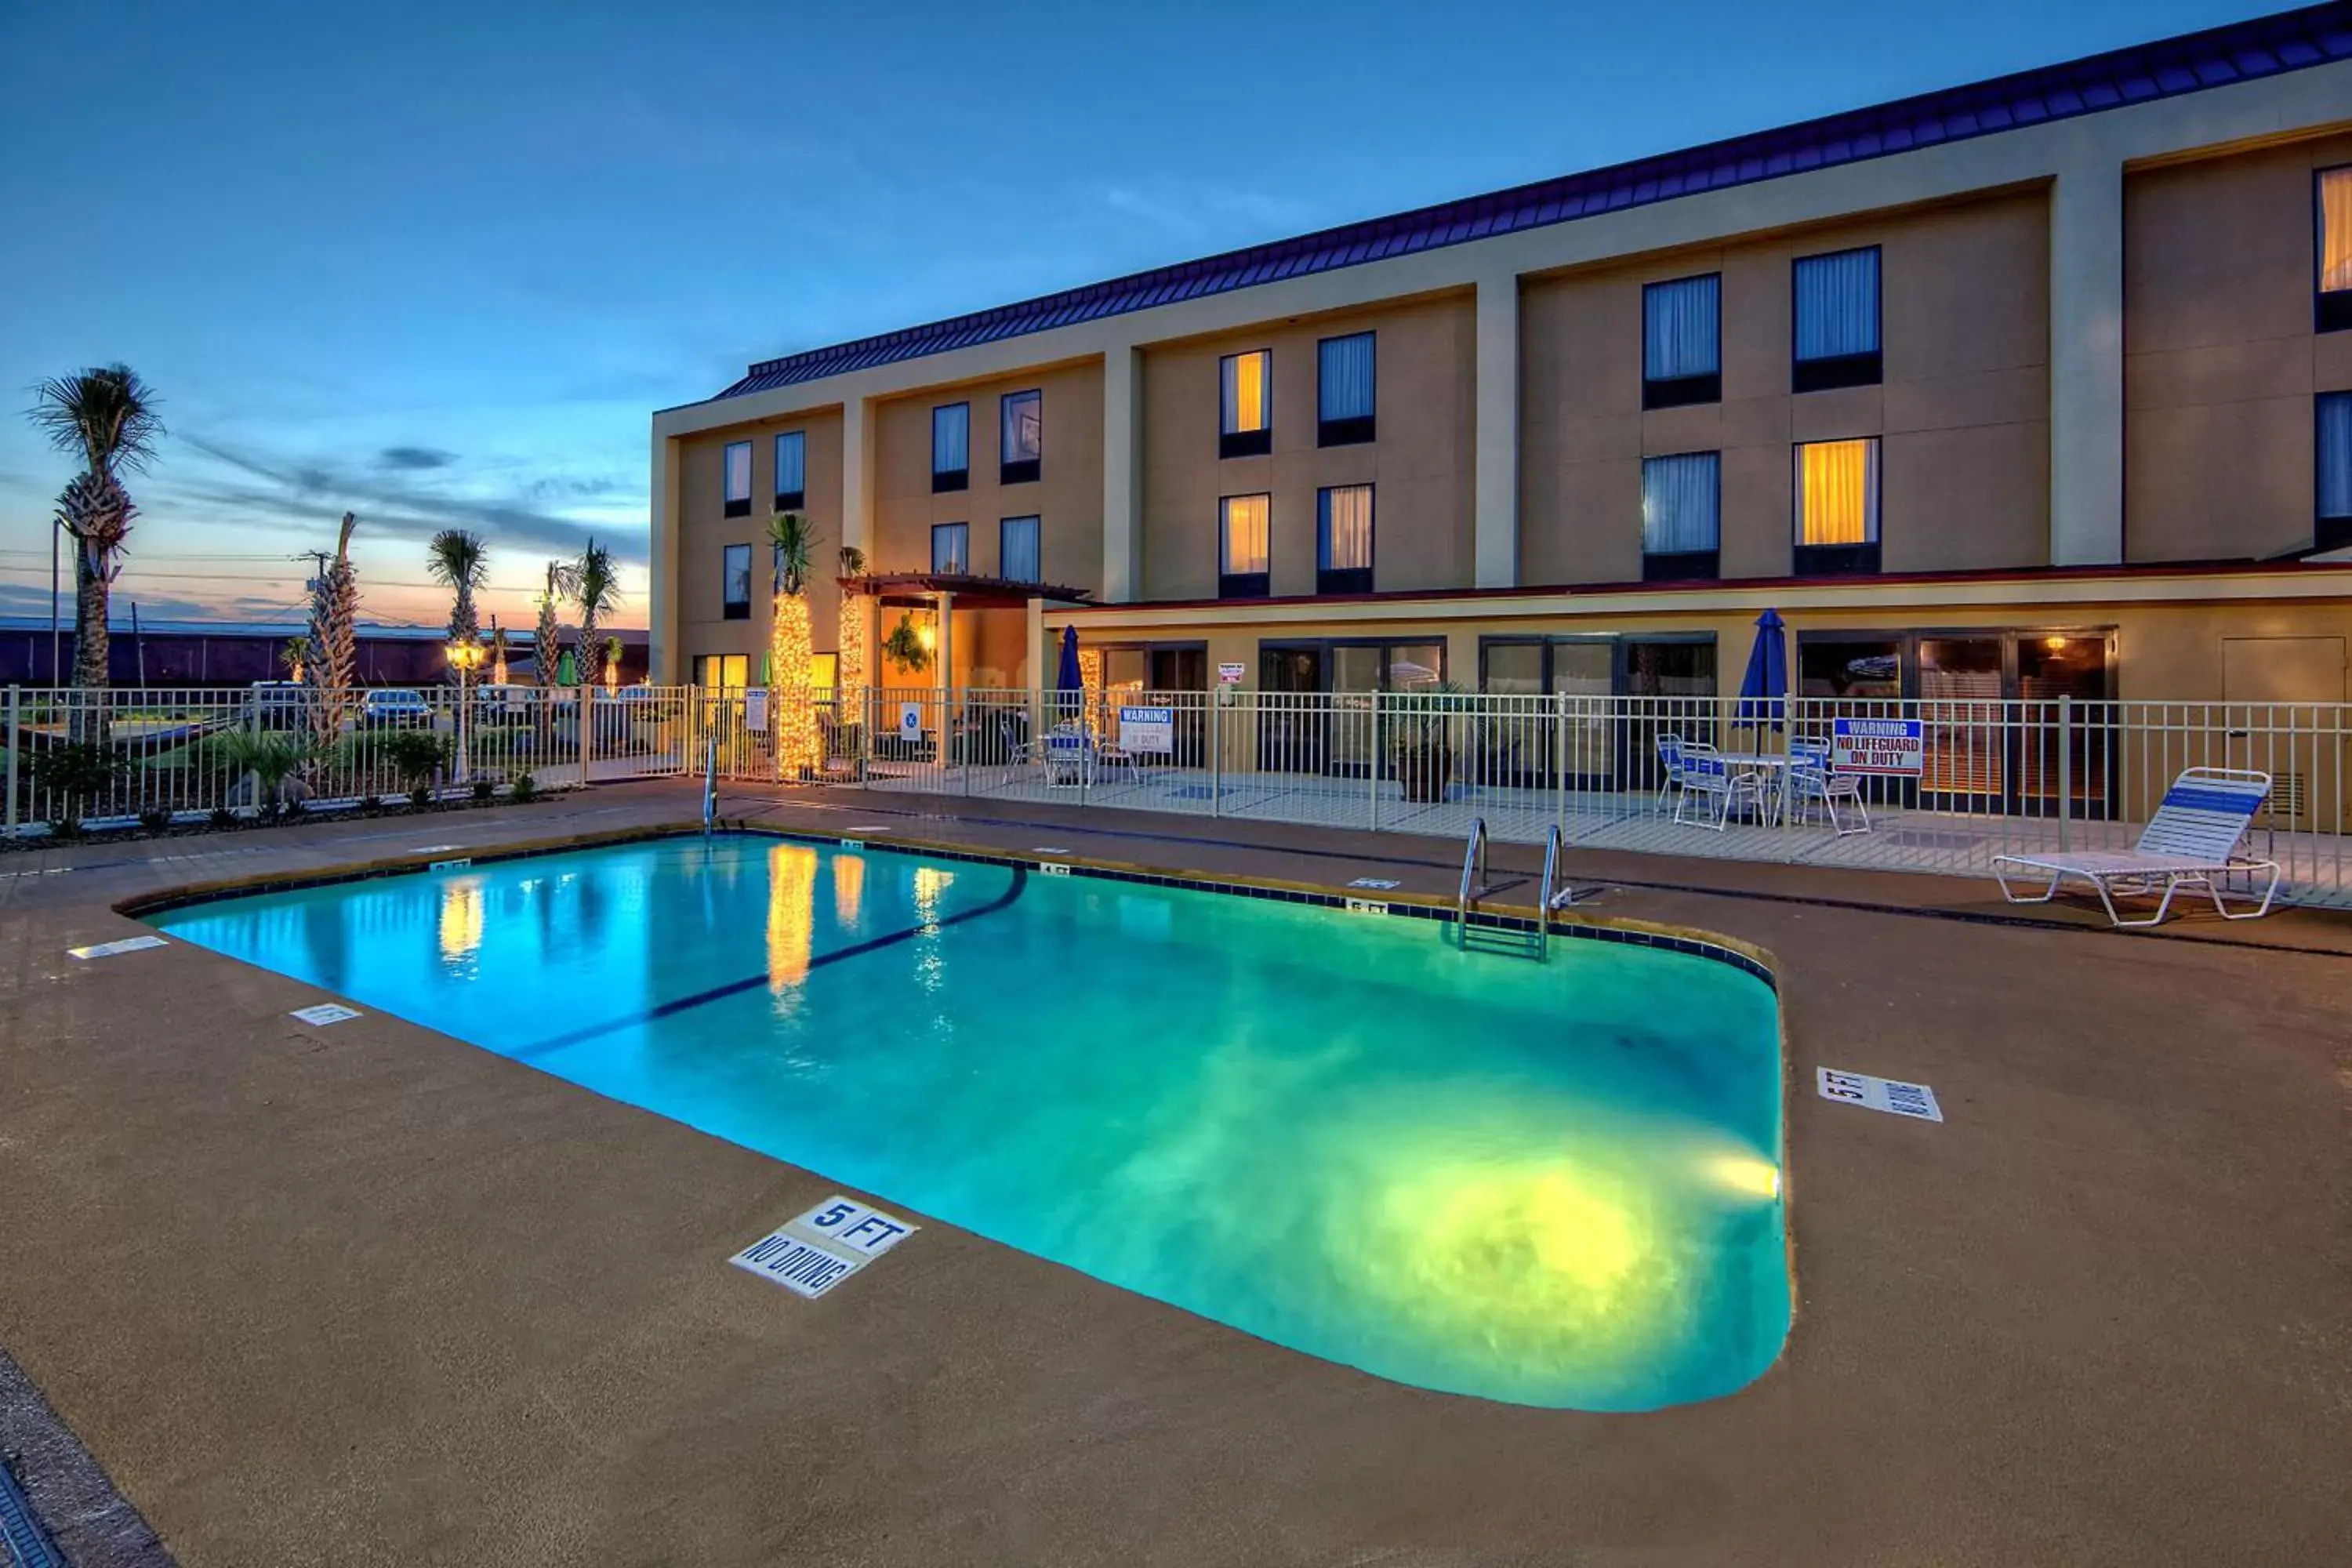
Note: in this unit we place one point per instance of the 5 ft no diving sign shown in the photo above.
(812, 1253)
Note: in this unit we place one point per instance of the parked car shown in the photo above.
(280, 704)
(396, 708)
(502, 704)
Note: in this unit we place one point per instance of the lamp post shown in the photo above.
(463, 657)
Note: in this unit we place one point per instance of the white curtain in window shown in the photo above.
(1837, 304)
(792, 463)
(2334, 229)
(1025, 421)
(1680, 323)
(1241, 530)
(1344, 529)
(1243, 399)
(951, 438)
(2335, 455)
(738, 575)
(1344, 378)
(1016, 549)
(1837, 492)
(738, 471)
(949, 552)
(1679, 500)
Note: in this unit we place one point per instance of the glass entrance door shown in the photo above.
(1674, 683)
(1963, 723)
(1290, 715)
(1355, 679)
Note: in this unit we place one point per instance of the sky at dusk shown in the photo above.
(438, 263)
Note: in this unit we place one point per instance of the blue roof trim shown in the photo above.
(2243, 51)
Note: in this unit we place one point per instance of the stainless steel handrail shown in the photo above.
(1543, 903)
(1474, 860)
(709, 783)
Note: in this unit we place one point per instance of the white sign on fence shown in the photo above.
(810, 1253)
(1230, 674)
(1890, 1095)
(1148, 731)
(911, 723)
(1878, 746)
(755, 709)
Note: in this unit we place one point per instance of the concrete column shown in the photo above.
(857, 479)
(1122, 547)
(2086, 362)
(1495, 554)
(664, 666)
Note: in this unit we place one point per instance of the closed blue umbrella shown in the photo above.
(1765, 686)
(1068, 684)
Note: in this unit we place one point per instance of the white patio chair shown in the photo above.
(1814, 780)
(2190, 841)
(1069, 756)
(1670, 767)
(1719, 789)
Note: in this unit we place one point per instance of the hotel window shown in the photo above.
(1022, 415)
(792, 471)
(2334, 528)
(1837, 507)
(738, 479)
(951, 547)
(730, 671)
(1345, 381)
(1016, 550)
(2333, 221)
(1682, 342)
(1241, 546)
(951, 447)
(735, 583)
(1682, 504)
(1343, 540)
(1245, 404)
(1837, 302)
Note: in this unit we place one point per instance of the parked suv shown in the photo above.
(280, 704)
(396, 708)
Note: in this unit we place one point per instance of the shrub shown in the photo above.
(526, 790)
(420, 797)
(79, 775)
(155, 819)
(222, 816)
(266, 759)
(484, 789)
(414, 756)
(64, 828)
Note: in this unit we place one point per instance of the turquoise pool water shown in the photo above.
(1553, 1184)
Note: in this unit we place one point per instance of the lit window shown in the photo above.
(1343, 540)
(1016, 550)
(1837, 506)
(1023, 420)
(2333, 221)
(1682, 329)
(792, 471)
(1242, 545)
(1681, 515)
(1245, 408)
(951, 547)
(735, 583)
(1344, 388)
(725, 670)
(738, 479)
(2334, 526)
(824, 669)
(1837, 320)
(951, 447)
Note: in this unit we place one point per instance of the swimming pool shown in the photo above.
(1548, 1183)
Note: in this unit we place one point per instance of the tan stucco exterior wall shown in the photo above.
(1066, 498)
(705, 531)
(1962, 413)
(1419, 466)
(2220, 360)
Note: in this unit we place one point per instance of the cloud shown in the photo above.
(414, 458)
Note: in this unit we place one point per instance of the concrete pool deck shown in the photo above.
(368, 1294)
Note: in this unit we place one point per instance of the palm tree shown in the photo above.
(613, 650)
(105, 416)
(791, 538)
(334, 666)
(545, 654)
(459, 561)
(593, 582)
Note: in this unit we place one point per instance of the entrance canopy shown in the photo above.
(970, 592)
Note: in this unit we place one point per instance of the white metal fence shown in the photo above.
(1983, 777)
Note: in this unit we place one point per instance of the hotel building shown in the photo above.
(2033, 387)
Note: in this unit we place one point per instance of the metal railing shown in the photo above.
(1473, 876)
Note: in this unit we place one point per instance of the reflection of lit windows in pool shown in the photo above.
(461, 919)
(930, 883)
(848, 889)
(792, 914)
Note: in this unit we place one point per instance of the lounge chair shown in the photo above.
(2192, 841)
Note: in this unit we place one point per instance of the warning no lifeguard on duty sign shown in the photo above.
(811, 1254)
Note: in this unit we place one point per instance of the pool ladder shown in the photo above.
(1492, 933)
